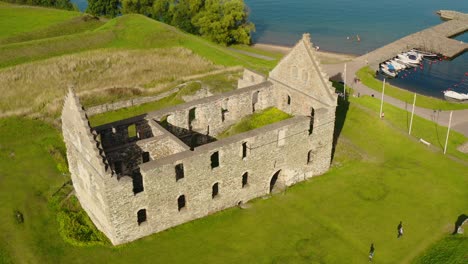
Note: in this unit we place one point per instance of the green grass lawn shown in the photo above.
(422, 128)
(375, 182)
(367, 77)
(15, 19)
(268, 116)
(76, 24)
(451, 249)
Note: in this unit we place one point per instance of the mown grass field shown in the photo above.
(367, 77)
(375, 182)
(379, 176)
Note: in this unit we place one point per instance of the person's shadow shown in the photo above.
(460, 220)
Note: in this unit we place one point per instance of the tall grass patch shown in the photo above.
(268, 116)
(37, 84)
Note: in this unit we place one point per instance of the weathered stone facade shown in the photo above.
(145, 174)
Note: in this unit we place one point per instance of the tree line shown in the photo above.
(221, 21)
(61, 4)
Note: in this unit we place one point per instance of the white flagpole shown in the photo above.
(448, 131)
(381, 101)
(344, 81)
(412, 114)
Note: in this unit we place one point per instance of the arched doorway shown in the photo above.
(274, 181)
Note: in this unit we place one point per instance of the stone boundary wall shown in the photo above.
(99, 109)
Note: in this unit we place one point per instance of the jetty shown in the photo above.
(436, 39)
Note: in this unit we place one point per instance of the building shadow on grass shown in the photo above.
(341, 111)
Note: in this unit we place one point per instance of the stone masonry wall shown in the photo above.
(87, 164)
(283, 147)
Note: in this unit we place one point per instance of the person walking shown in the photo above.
(371, 252)
(400, 229)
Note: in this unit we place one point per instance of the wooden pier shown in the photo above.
(436, 39)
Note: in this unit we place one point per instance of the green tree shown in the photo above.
(109, 8)
(163, 10)
(224, 21)
(144, 7)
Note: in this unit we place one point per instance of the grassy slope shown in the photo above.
(16, 19)
(74, 25)
(376, 182)
(127, 32)
(366, 75)
(263, 118)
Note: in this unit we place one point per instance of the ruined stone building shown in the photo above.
(145, 174)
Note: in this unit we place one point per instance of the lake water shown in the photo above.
(376, 23)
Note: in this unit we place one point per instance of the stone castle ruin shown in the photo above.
(145, 174)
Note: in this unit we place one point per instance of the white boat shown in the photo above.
(425, 54)
(456, 96)
(409, 59)
(385, 70)
(392, 65)
(407, 64)
(417, 55)
(396, 65)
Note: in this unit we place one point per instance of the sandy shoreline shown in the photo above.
(326, 57)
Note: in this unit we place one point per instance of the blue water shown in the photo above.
(330, 22)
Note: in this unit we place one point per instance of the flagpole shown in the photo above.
(344, 81)
(381, 101)
(412, 114)
(448, 131)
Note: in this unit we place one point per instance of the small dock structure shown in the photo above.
(436, 39)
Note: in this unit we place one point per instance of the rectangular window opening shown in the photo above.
(215, 190)
(215, 160)
(312, 116)
(137, 182)
(181, 202)
(309, 157)
(141, 216)
(245, 179)
(191, 117)
(179, 170)
(145, 157)
(244, 150)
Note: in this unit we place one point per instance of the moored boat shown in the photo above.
(455, 96)
(387, 71)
